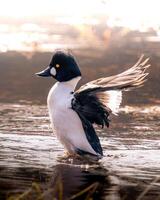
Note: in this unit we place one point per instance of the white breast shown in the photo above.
(65, 122)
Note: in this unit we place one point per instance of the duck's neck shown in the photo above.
(72, 83)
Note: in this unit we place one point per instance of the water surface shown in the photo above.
(130, 168)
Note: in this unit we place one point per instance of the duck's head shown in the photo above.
(63, 67)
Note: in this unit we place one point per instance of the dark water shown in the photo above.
(29, 153)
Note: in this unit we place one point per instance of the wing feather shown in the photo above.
(111, 99)
(97, 99)
(131, 78)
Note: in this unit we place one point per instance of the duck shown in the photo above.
(74, 112)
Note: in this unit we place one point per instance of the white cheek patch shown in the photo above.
(53, 71)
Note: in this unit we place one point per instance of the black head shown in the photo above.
(63, 67)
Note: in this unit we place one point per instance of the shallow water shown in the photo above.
(130, 168)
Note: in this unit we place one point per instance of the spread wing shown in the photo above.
(131, 78)
(95, 100)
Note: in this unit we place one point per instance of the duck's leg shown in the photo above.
(87, 156)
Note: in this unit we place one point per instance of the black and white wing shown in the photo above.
(96, 100)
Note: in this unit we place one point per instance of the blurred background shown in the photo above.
(106, 36)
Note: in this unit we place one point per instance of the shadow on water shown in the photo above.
(29, 155)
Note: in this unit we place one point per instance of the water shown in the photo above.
(130, 169)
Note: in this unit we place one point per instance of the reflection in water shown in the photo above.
(28, 153)
(76, 178)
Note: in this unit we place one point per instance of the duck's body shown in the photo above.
(73, 113)
(65, 122)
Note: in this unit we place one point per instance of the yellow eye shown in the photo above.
(57, 65)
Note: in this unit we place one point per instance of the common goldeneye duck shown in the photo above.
(73, 112)
(63, 67)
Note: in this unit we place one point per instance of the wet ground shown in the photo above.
(130, 169)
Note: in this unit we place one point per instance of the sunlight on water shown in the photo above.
(131, 155)
(26, 37)
(32, 37)
(25, 28)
